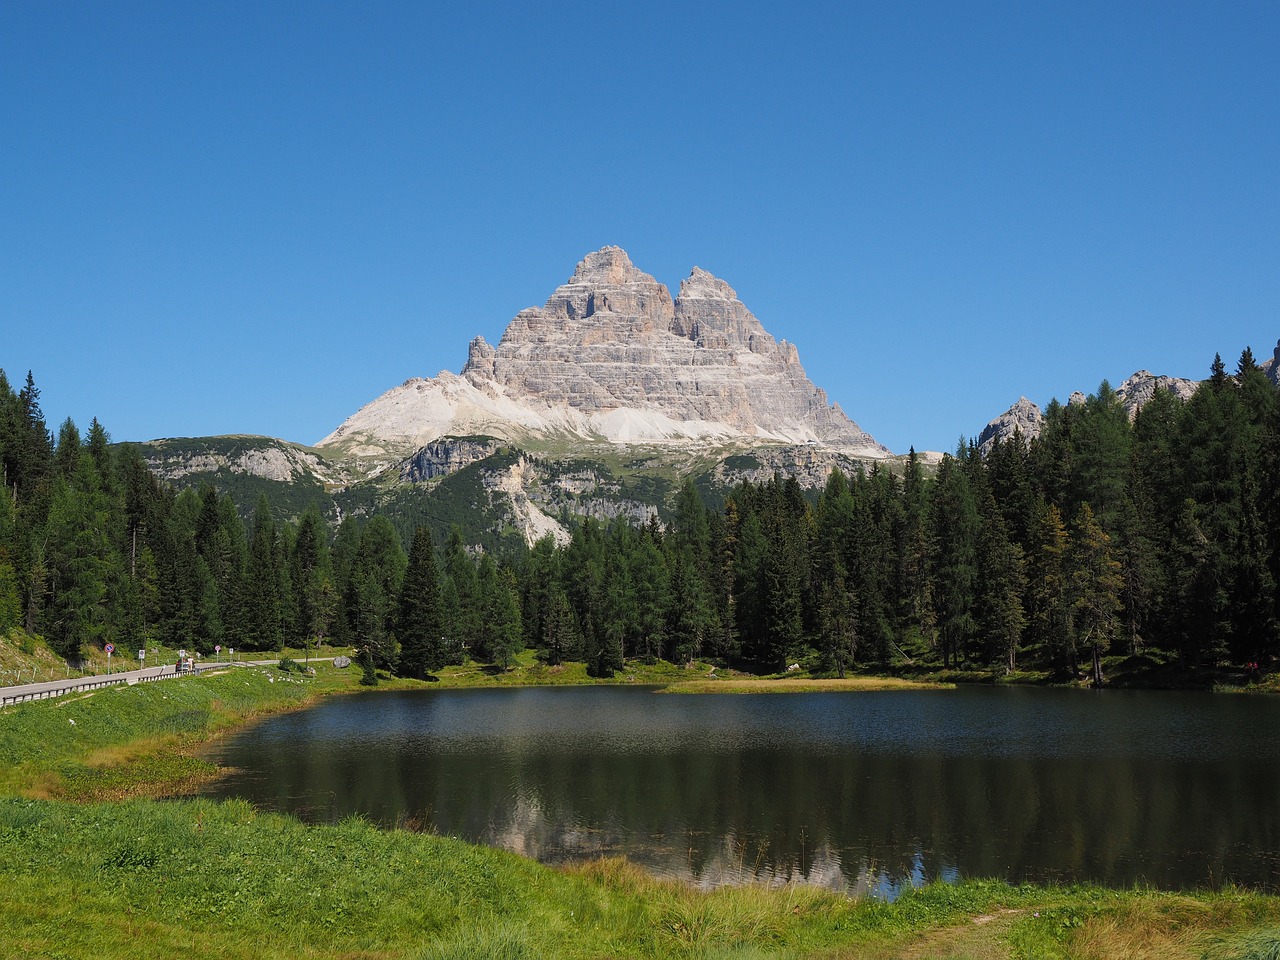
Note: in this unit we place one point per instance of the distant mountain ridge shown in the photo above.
(601, 403)
(1026, 419)
(611, 357)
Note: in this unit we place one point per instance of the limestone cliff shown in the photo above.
(612, 357)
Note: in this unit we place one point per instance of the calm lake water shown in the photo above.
(863, 792)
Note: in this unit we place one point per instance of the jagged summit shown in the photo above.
(1027, 419)
(611, 357)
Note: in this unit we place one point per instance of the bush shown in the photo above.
(288, 664)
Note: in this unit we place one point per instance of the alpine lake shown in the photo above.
(862, 792)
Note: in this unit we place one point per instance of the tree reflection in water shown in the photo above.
(856, 792)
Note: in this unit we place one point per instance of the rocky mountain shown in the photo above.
(1023, 418)
(599, 403)
(1026, 418)
(1272, 367)
(611, 357)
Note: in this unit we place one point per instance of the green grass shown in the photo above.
(140, 740)
(201, 879)
(90, 867)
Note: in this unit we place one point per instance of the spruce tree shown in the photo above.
(418, 625)
(560, 639)
(1095, 588)
(460, 601)
(955, 529)
(377, 574)
(500, 625)
(1002, 582)
(263, 605)
(1047, 587)
(837, 629)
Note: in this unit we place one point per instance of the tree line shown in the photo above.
(1154, 537)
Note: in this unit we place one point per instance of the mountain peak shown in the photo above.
(703, 285)
(611, 357)
(609, 265)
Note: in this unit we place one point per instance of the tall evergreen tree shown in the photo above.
(560, 637)
(1047, 587)
(500, 628)
(377, 573)
(418, 626)
(460, 602)
(1001, 584)
(1095, 588)
(954, 535)
(81, 565)
(264, 615)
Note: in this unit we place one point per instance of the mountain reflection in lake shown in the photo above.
(855, 791)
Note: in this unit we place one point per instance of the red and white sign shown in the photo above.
(110, 648)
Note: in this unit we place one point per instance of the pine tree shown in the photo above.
(310, 578)
(953, 540)
(346, 544)
(377, 573)
(751, 589)
(499, 621)
(1047, 587)
(1095, 587)
(264, 617)
(690, 615)
(81, 569)
(368, 667)
(66, 455)
(418, 626)
(911, 551)
(459, 601)
(837, 629)
(540, 574)
(1002, 582)
(32, 459)
(651, 584)
(1246, 363)
(560, 640)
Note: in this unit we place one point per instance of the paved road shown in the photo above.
(56, 688)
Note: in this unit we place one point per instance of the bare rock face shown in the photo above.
(263, 457)
(439, 458)
(1272, 367)
(611, 356)
(1142, 386)
(1023, 419)
(1026, 418)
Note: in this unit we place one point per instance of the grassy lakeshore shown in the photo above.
(92, 866)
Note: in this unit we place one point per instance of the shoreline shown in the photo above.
(175, 866)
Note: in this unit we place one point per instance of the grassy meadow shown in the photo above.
(94, 863)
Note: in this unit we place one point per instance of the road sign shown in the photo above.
(110, 648)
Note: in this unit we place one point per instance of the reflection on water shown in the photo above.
(861, 792)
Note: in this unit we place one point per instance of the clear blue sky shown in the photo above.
(255, 217)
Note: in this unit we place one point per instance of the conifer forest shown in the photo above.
(1155, 540)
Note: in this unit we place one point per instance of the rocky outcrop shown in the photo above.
(1142, 386)
(526, 515)
(445, 456)
(1272, 367)
(263, 457)
(612, 357)
(1026, 419)
(1023, 419)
